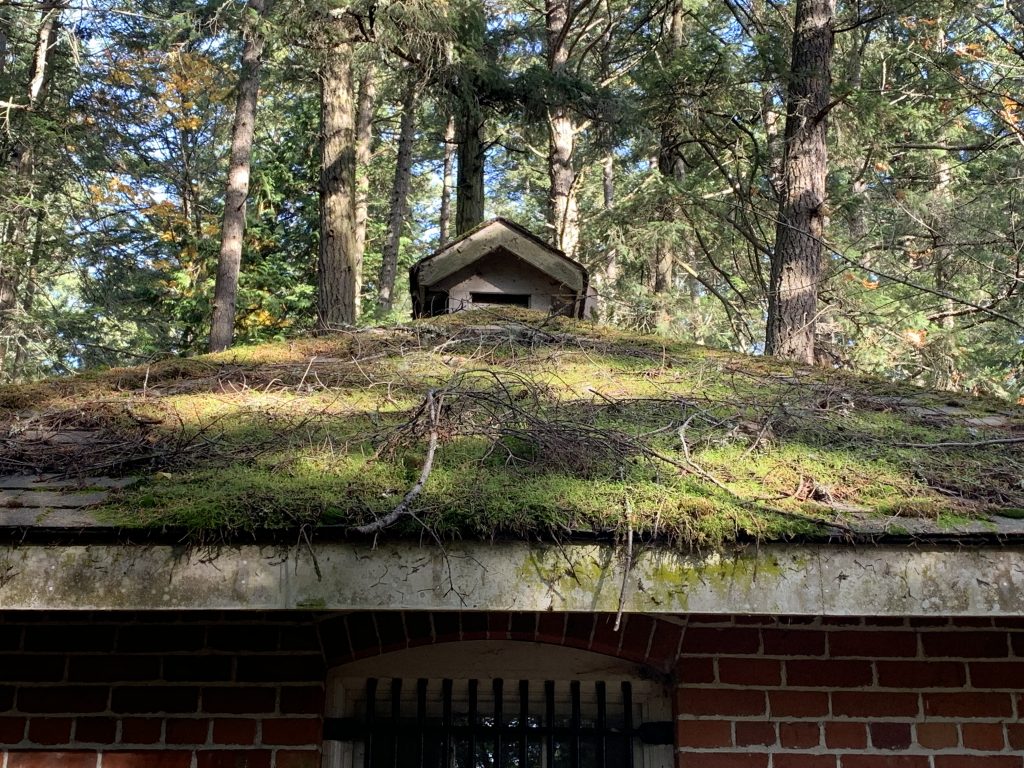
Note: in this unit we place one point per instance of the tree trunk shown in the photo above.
(796, 261)
(237, 190)
(611, 264)
(563, 207)
(671, 166)
(5, 34)
(444, 222)
(469, 192)
(399, 196)
(23, 161)
(339, 273)
(365, 115)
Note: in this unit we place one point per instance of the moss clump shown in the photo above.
(542, 426)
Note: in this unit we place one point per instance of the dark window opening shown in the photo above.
(488, 724)
(436, 303)
(504, 299)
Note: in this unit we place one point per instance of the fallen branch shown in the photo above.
(963, 444)
(404, 507)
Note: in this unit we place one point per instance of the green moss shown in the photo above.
(547, 427)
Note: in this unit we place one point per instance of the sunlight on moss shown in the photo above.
(546, 427)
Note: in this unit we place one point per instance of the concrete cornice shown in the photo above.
(770, 579)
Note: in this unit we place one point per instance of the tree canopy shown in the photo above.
(661, 143)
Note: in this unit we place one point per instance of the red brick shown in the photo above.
(147, 759)
(696, 670)
(722, 702)
(185, 731)
(983, 736)
(153, 638)
(749, 671)
(51, 760)
(783, 760)
(95, 730)
(141, 730)
(703, 733)
(1015, 736)
(72, 699)
(829, 674)
(578, 629)
(112, 668)
(967, 704)
(892, 736)
(969, 645)
(234, 759)
(49, 730)
(12, 729)
(606, 639)
(793, 642)
(921, 674)
(239, 701)
(551, 628)
(937, 735)
(883, 761)
(750, 734)
(145, 699)
(874, 704)
(998, 675)
(297, 759)
(292, 731)
(872, 644)
(22, 667)
(391, 631)
(234, 731)
(637, 637)
(798, 704)
(497, 629)
(665, 643)
(292, 668)
(1017, 641)
(845, 736)
(799, 735)
(721, 760)
(308, 700)
(236, 637)
(197, 669)
(81, 637)
(979, 761)
(732, 640)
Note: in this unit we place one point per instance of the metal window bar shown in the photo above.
(480, 737)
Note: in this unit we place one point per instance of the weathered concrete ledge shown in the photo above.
(771, 579)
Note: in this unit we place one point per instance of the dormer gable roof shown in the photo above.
(489, 236)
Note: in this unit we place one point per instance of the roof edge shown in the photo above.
(765, 580)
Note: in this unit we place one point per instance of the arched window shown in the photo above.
(496, 704)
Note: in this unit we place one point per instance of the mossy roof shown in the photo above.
(543, 428)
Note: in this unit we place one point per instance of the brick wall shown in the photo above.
(168, 690)
(239, 690)
(763, 693)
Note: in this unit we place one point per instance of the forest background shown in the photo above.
(176, 176)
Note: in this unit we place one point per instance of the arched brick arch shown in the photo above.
(640, 638)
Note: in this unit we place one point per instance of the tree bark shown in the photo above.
(339, 273)
(444, 219)
(469, 191)
(796, 260)
(243, 129)
(16, 229)
(563, 207)
(399, 196)
(670, 166)
(366, 112)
